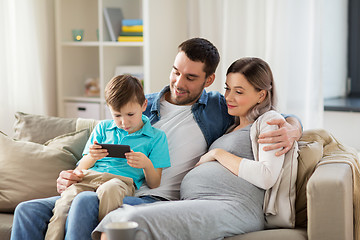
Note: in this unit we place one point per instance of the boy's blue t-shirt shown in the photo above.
(148, 140)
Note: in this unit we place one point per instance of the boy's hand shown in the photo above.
(137, 160)
(97, 152)
(140, 160)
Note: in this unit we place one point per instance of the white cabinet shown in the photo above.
(96, 57)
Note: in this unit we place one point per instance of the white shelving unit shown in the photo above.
(97, 57)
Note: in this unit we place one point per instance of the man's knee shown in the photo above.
(40, 206)
(29, 207)
(23, 208)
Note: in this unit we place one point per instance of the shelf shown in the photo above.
(96, 57)
(81, 44)
(82, 99)
(106, 44)
(123, 44)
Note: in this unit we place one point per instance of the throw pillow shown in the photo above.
(29, 170)
(39, 128)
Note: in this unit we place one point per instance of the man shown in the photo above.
(191, 118)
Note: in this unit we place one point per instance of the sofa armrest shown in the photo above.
(330, 203)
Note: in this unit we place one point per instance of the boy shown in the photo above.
(114, 178)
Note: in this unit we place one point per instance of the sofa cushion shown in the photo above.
(39, 128)
(310, 154)
(29, 170)
(85, 123)
(6, 220)
(273, 234)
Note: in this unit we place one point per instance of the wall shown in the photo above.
(344, 126)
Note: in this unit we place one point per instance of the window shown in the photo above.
(351, 102)
(354, 49)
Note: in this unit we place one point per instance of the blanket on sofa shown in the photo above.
(328, 150)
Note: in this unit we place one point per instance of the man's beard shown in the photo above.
(186, 101)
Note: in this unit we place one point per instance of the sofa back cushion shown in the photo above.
(29, 170)
(40, 128)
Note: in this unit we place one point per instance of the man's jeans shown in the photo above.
(32, 217)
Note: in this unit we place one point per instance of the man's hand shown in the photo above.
(289, 131)
(67, 178)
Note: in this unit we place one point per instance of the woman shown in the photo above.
(224, 194)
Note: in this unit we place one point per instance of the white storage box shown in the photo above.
(107, 112)
(82, 110)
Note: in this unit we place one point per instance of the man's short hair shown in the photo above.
(123, 89)
(201, 50)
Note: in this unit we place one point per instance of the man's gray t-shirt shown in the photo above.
(186, 145)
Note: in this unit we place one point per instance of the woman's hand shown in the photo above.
(207, 157)
(228, 160)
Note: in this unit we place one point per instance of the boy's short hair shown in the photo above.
(123, 89)
(201, 50)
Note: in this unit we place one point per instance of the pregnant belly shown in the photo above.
(213, 181)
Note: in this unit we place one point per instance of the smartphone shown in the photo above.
(116, 150)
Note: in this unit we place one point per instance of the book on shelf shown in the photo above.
(140, 34)
(113, 19)
(135, 28)
(134, 70)
(132, 22)
(130, 38)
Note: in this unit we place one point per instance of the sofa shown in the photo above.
(42, 146)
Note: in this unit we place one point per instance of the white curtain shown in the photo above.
(27, 59)
(304, 42)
